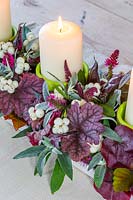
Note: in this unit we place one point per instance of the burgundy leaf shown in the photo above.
(18, 42)
(30, 87)
(36, 136)
(107, 191)
(119, 154)
(68, 74)
(94, 75)
(84, 128)
(79, 89)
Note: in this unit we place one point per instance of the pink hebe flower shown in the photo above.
(113, 59)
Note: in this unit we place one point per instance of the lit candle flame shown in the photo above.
(60, 24)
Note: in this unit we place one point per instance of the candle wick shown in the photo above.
(60, 30)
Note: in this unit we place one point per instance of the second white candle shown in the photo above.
(129, 107)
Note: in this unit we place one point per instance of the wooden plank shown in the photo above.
(121, 8)
(103, 31)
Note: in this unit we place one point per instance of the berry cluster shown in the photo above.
(29, 37)
(21, 65)
(8, 85)
(36, 113)
(60, 125)
(6, 47)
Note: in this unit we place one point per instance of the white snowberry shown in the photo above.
(1, 54)
(20, 65)
(18, 71)
(31, 110)
(26, 66)
(9, 81)
(60, 126)
(9, 44)
(35, 46)
(30, 36)
(11, 50)
(3, 81)
(5, 46)
(20, 60)
(15, 84)
(39, 113)
(33, 116)
(11, 90)
(58, 121)
(25, 43)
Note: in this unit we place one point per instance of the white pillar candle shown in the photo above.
(129, 107)
(5, 20)
(60, 41)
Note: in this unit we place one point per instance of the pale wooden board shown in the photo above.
(121, 8)
(17, 180)
(105, 26)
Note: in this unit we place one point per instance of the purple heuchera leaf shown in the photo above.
(107, 191)
(30, 86)
(119, 154)
(84, 128)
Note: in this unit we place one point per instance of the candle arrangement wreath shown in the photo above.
(78, 120)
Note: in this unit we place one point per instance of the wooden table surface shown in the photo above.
(108, 24)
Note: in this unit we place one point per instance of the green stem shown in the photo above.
(110, 72)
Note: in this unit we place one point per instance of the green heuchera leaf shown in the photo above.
(95, 160)
(30, 152)
(81, 77)
(23, 133)
(108, 110)
(57, 178)
(109, 133)
(99, 175)
(86, 70)
(42, 160)
(66, 164)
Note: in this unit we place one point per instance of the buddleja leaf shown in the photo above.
(95, 160)
(109, 133)
(30, 152)
(84, 127)
(42, 160)
(57, 178)
(30, 87)
(66, 164)
(23, 133)
(99, 175)
(45, 91)
(25, 30)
